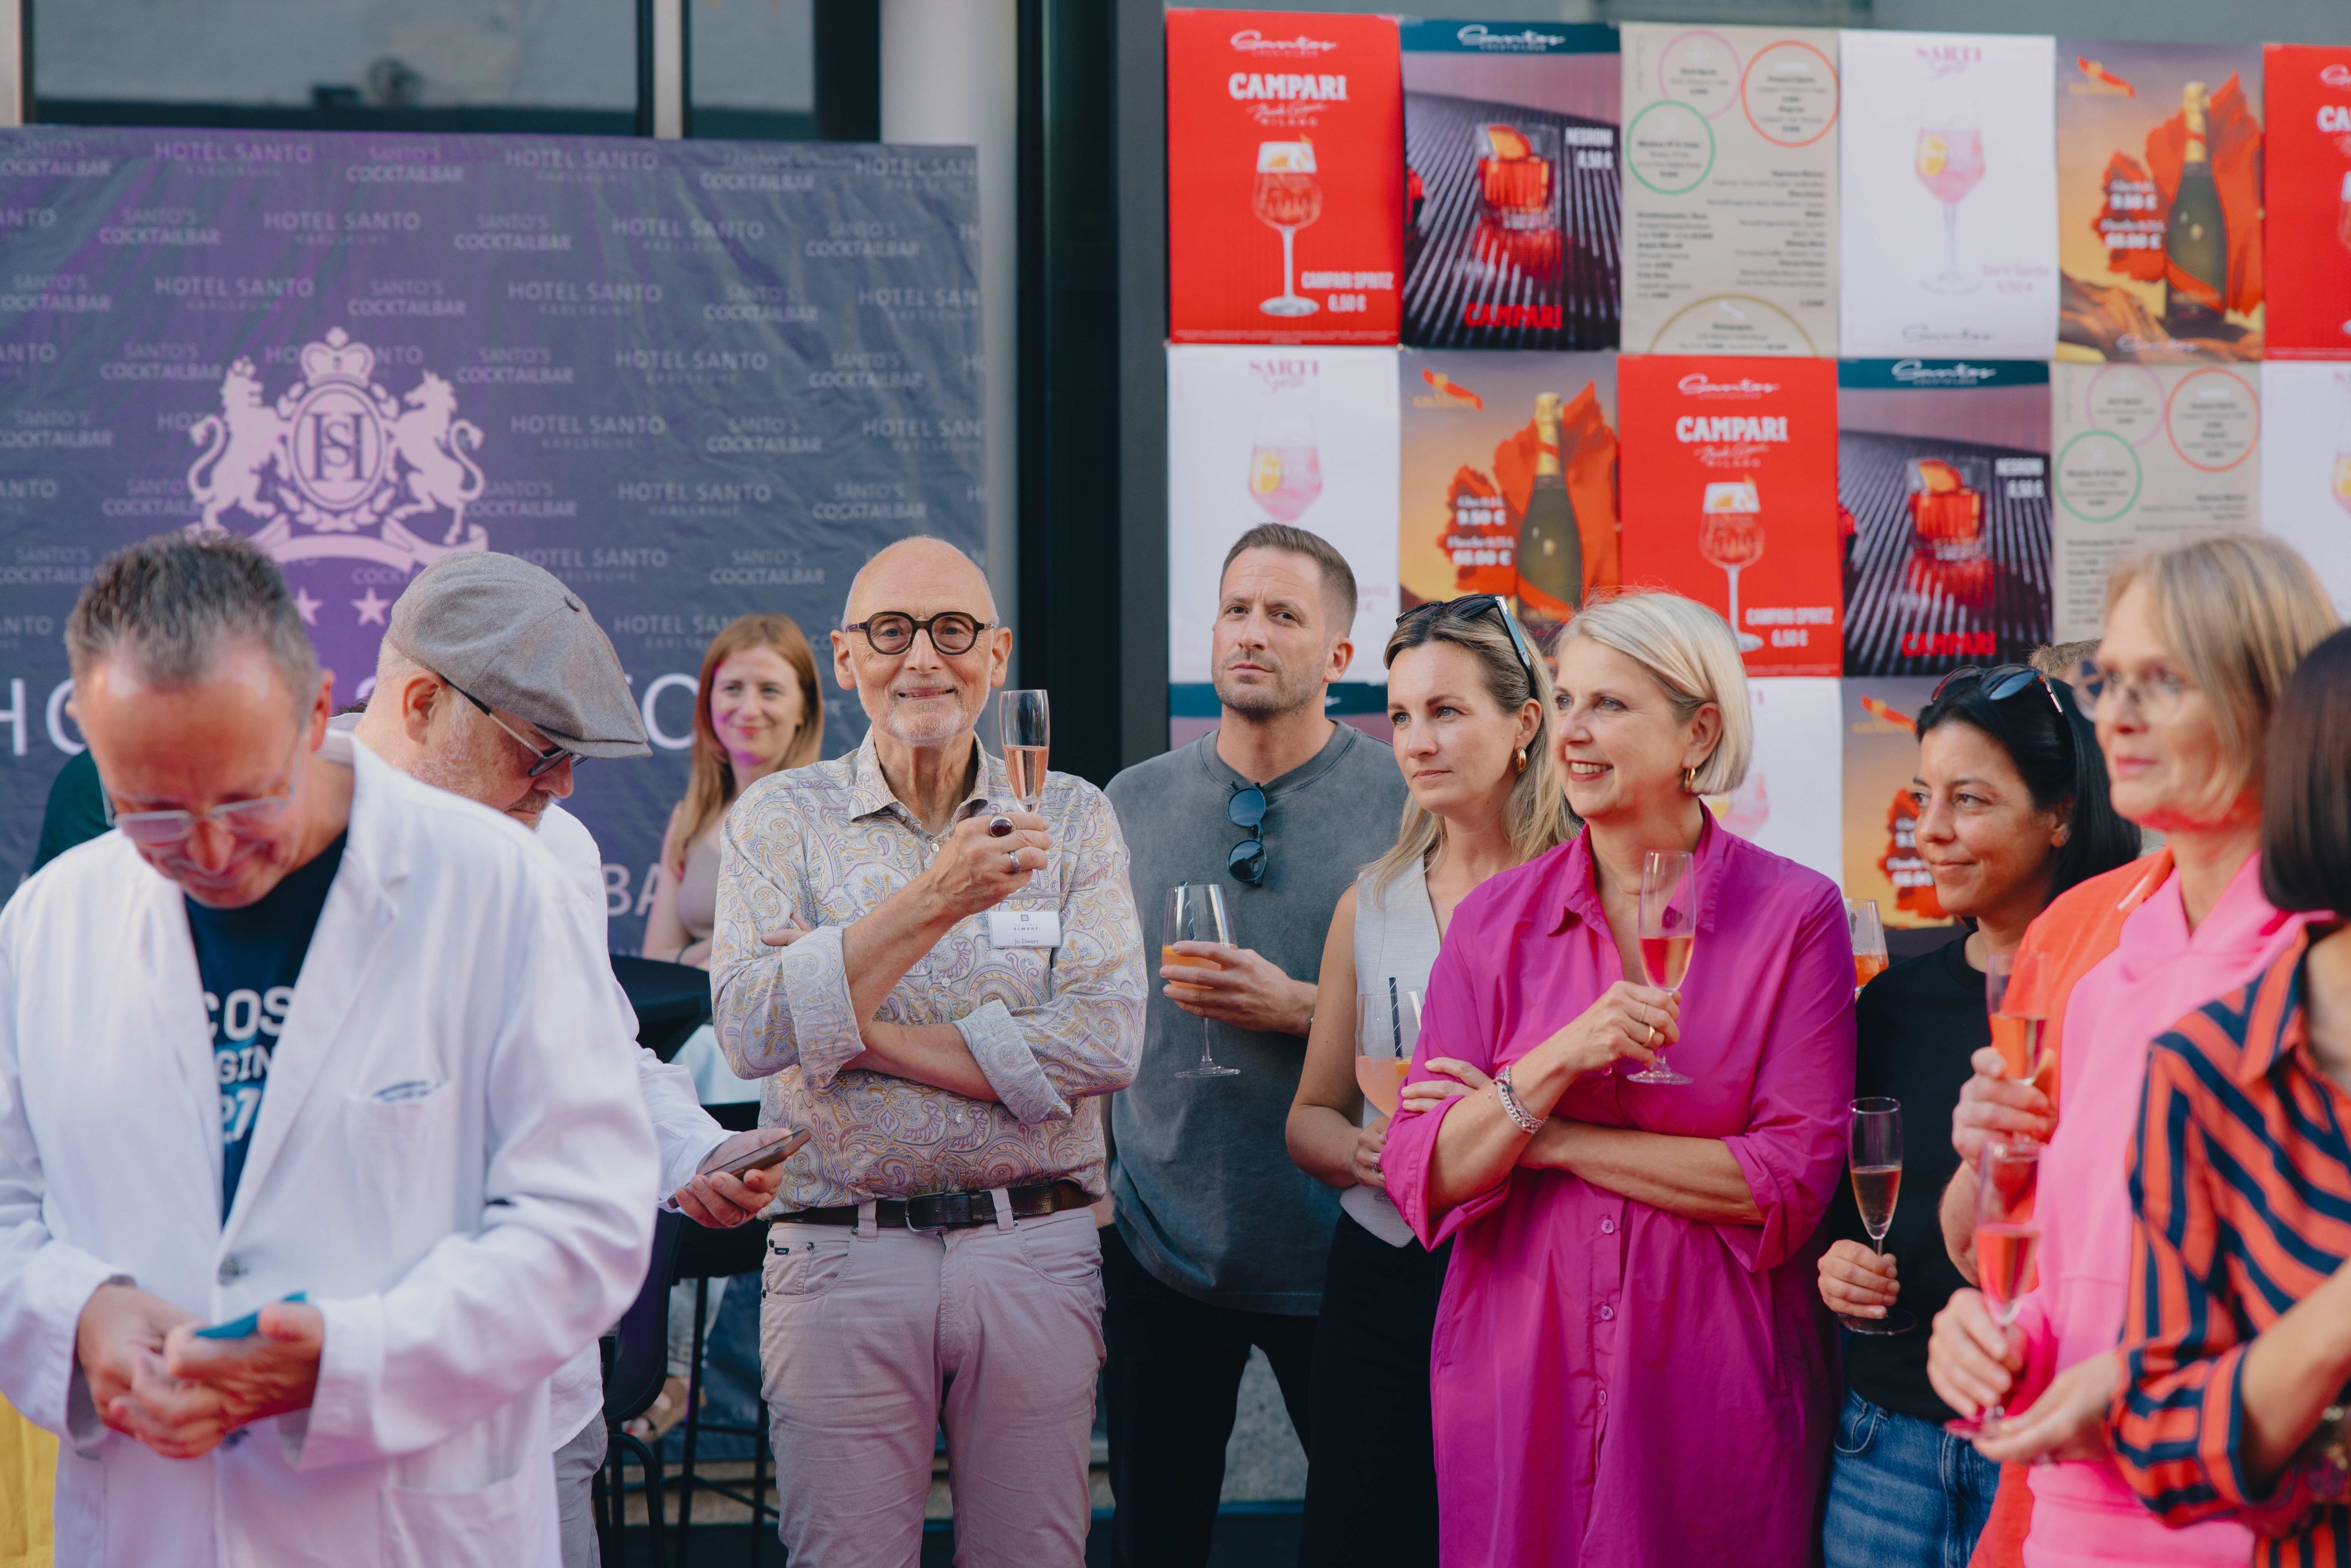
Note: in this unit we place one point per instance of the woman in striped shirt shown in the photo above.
(2237, 1337)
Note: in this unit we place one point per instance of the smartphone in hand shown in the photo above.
(763, 1158)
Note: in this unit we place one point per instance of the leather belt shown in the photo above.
(950, 1210)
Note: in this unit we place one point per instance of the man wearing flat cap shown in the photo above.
(494, 682)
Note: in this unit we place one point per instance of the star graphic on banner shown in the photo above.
(307, 606)
(371, 608)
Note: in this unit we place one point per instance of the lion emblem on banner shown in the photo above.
(338, 466)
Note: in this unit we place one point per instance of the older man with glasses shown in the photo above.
(1220, 1239)
(968, 983)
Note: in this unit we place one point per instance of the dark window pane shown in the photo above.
(753, 72)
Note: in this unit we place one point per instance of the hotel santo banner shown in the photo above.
(1285, 177)
(1730, 485)
(1950, 196)
(1511, 184)
(2306, 194)
(1731, 189)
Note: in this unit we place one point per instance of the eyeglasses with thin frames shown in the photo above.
(2155, 692)
(239, 819)
(542, 762)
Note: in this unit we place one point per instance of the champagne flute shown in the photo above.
(1868, 934)
(1024, 729)
(2013, 991)
(1668, 931)
(2007, 1240)
(1875, 1139)
(1196, 912)
(1387, 1026)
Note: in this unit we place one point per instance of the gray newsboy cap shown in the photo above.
(509, 633)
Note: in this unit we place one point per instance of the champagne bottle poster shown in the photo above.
(2158, 201)
(1285, 177)
(2307, 186)
(1881, 758)
(1731, 189)
(1951, 247)
(1729, 496)
(1278, 434)
(2306, 467)
(1790, 802)
(1943, 477)
(2144, 455)
(1511, 195)
(1508, 464)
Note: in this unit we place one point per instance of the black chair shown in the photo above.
(672, 1001)
(703, 1255)
(636, 1362)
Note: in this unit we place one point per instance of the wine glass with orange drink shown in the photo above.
(1196, 912)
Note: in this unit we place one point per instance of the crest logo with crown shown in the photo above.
(339, 467)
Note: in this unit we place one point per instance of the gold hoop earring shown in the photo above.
(1689, 780)
(1522, 759)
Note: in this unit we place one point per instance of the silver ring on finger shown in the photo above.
(1012, 860)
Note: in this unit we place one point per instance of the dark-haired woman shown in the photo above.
(2013, 811)
(2237, 1335)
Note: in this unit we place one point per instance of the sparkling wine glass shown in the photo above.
(1868, 932)
(1196, 912)
(1731, 535)
(2012, 996)
(1024, 729)
(1875, 1142)
(2007, 1240)
(1286, 198)
(1950, 162)
(1668, 931)
(1387, 1026)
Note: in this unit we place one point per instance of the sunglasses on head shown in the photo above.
(1468, 607)
(2001, 682)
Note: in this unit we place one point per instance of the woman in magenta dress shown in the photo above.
(1631, 1365)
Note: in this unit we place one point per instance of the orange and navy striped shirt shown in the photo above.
(2240, 1175)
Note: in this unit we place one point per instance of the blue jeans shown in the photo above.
(1903, 1493)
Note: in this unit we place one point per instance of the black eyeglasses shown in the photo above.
(542, 762)
(1468, 607)
(1246, 809)
(892, 631)
(2001, 682)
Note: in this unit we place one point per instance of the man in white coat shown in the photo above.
(492, 675)
(226, 1078)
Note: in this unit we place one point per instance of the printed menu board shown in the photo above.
(1281, 434)
(2144, 455)
(1943, 477)
(1730, 497)
(1731, 189)
(1881, 758)
(1508, 459)
(1790, 802)
(1284, 177)
(2307, 189)
(1951, 246)
(1511, 197)
(2306, 467)
(2159, 200)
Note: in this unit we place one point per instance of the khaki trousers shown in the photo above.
(872, 1340)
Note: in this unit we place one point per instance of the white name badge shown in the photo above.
(1024, 928)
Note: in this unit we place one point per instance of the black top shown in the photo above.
(1918, 1024)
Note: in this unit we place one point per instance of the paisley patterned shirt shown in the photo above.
(1054, 1029)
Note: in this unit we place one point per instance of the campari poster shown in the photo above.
(2306, 467)
(1484, 434)
(1789, 803)
(2144, 455)
(1285, 177)
(1270, 434)
(1510, 187)
(1730, 497)
(1953, 246)
(2159, 201)
(1731, 189)
(1881, 758)
(2307, 99)
(1943, 475)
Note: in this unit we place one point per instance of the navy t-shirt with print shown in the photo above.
(249, 959)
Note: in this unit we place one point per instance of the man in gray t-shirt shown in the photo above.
(1220, 1239)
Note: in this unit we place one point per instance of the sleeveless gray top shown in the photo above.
(1395, 939)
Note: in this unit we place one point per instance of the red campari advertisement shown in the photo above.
(2308, 191)
(1729, 496)
(1285, 177)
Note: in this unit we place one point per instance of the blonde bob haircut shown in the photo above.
(2237, 611)
(1688, 651)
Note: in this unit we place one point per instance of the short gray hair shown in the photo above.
(171, 603)
(1689, 650)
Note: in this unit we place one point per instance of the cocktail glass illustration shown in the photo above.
(1285, 469)
(1517, 196)
(2343, 213)
(1287, 197)
(1946, 500)
(1949, 162)
(1731, 535)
